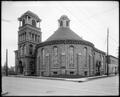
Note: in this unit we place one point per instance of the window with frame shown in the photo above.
(61, 23)
(55, 72)
(23, 22)
(71, 72)
(23, 49)
(30, 49)
(25, 35)
(38, 38)
(67, 23)
(55, 56)
(19, 37)
(35, 37)
(85, 55)
(71, 56)
(20, 50)
(89, 60)
(43, 56)
(32, 36)
(34, 23)
(28, 18)
(102, 58)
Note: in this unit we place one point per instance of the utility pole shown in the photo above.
(6, 62)
(107, 51)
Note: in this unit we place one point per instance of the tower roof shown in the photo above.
(64, 17)
(64, 35)
(64, 32)
(29, 13)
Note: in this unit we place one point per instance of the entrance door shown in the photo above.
(98, 65)
(20, 67)
(32, 68)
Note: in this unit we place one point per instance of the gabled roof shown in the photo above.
(64, 34)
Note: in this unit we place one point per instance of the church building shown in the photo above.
(63, 54)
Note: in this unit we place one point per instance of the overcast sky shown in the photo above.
(89, 19)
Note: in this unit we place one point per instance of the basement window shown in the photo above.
(55, 72)
(71, 72)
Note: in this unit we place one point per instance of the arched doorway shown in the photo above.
(98, 66)
(32, 69)
(20, 67)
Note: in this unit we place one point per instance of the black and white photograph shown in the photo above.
(60, 48)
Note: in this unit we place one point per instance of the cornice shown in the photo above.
(30, 27)
(65, 42)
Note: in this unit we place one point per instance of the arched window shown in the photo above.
(61, 23)
(90, 57)
(19, 37)
(23, 22)
(38, 38)
(20, 50)
(30, 49)
(23, 49)
(25, 35)
(102, 62)
(32, 36)
(85, 55)
(34, 23)
(71, 56)
(28, 18)
(35, 37)
(55, 55)
(67, 23)
(43, 56)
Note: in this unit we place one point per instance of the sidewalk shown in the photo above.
(86, 78)
(63, 79)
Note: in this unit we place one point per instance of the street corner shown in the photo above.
(4, 93)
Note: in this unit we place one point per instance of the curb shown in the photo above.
(4, 93)
(65, 79)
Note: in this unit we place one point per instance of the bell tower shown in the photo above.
(29, 35)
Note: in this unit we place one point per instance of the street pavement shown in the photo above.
(16, 86)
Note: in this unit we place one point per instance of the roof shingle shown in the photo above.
(64, 34)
